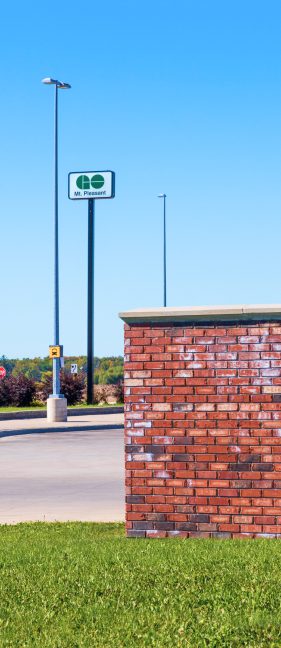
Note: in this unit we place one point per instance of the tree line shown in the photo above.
(107, 371)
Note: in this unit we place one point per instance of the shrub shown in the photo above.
(5, 396)
(72, 386)
(44, 387)
(119, 392)
(108, 394)
(18, 391)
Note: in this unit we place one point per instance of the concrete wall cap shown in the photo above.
(197, 313)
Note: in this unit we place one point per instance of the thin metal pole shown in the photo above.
(91, 268)
(56, 361)
(165, 289)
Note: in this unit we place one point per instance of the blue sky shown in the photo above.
(182, 98)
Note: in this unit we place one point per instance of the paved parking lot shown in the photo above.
(69, 471)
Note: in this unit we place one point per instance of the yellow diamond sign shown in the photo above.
(55, 351)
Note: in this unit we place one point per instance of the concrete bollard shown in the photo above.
(56, 409)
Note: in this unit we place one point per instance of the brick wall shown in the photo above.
(203, 429)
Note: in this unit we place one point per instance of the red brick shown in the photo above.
(161, 357)
(252, 528)
(248, 339)
(276, 528)
(218, 519)
(133, 333)
(141, 357)
(233, 528)
(153, 332)
(134, 349)
(237, 330)
(154, 349)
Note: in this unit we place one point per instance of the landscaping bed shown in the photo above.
(81, 584)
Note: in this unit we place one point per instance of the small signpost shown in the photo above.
(2, 372)
(91, 186)
(74, 369)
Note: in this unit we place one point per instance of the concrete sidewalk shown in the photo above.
(68, 471)
(84, 421)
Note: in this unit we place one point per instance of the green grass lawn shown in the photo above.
(79, 584)
(98, 405)
(22, 409)
(44, 407)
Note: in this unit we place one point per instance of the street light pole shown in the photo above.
(164, 196)
(56, 360)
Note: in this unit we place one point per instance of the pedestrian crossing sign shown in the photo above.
(55, 351)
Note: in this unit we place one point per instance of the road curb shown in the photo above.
(84, 428)
(34, 414)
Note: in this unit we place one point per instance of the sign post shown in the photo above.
(91, 287)
(91, 186)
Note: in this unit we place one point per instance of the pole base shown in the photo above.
(56, 410)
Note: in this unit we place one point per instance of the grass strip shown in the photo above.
(33, 408)
(80, 584)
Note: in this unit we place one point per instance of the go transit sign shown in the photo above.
(91, 184)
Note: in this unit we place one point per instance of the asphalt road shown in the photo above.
(72, 471)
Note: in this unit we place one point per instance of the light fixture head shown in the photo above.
(59, 84)
(161, 196)
(49, 81)
(64, 86)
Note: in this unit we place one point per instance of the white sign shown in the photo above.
(74, 369)
(91, 184)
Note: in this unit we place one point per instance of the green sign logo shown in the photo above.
(85, 182)
(97, 181)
